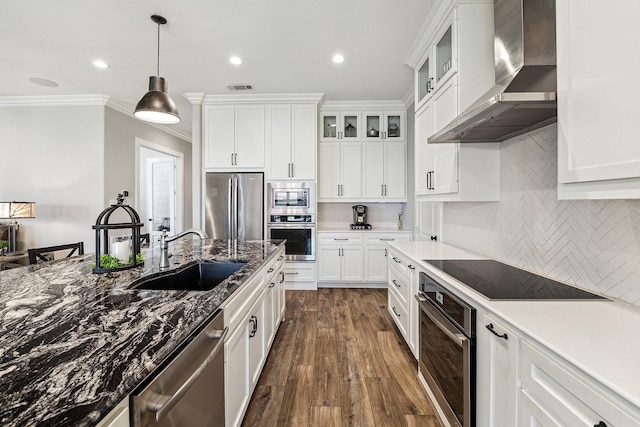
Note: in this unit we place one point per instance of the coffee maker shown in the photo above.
(360, 218)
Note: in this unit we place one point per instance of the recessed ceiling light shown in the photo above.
(338, 59)
(43, 82)
(235, 60)
(101, 64)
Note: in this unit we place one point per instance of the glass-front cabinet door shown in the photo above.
(384, 126)
(350, 126)
(337, 126)
(425, 82)
(444, 54)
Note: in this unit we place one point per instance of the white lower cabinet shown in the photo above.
(356, 256)
(557, 394)
(375, 254)
(300, 275)
(498, 363)
(252, 316)
(402, 284)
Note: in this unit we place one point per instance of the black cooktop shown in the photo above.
(499, 281)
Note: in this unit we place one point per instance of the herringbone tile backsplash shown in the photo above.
(593, 244)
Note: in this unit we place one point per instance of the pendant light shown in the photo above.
(156, 106)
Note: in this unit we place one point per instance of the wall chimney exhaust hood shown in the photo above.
(524, 96)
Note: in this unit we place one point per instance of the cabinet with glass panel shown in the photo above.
(384, 125)
(340, 125)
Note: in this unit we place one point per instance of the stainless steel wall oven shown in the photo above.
(292, 207)
(447, 355)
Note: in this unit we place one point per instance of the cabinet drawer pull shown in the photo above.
(272, 285)
(411, 267)
(270, 270)
(281, 257)
(394, 311)
(397, 260)
(335, 238)
(295, 272)
(395, 283)
(505, 336)
(387, 240)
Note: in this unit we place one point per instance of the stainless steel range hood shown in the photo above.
(524, 97)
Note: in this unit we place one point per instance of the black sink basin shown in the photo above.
(199, 276)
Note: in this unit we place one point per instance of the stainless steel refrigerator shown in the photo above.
(234, 206)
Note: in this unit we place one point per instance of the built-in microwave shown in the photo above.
(288, 198)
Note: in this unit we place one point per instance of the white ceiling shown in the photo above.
(286, 47)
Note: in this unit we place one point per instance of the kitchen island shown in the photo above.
(73, 344)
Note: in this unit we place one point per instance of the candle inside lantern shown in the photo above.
(121, 248)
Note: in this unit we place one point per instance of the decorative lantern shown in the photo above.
(123, 249)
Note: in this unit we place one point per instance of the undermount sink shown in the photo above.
(199, 276)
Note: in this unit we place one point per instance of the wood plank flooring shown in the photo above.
(338, 360)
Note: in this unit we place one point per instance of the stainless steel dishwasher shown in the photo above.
(189, 390)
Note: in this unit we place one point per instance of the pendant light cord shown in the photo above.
(158, 69)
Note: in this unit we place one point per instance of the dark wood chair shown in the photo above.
(145, 239)
(46, 254)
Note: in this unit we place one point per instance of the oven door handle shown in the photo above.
(441, 322)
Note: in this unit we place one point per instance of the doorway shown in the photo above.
(159, 195)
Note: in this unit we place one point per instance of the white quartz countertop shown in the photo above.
(602, 338)
(347, 229)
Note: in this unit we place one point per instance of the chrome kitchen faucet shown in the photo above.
(164, 243)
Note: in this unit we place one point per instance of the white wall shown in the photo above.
(54, 156)
(120, 154)
(379, 215)
(594, 244)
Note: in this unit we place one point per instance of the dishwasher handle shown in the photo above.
(165, 403)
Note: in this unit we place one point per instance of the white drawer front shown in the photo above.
(300, 272)
(399, 314)
(568, 396)
(400, 284)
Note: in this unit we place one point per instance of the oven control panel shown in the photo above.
(291, 218)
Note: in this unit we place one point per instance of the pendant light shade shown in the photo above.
(156, 106)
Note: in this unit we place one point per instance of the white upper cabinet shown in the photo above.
(384, 125)
(340, 125)
(454, 66)
(459, 43)
(384, 171)
(362, 165)
(234, 136)
(598, 151)
(291, 138)
(340, 171)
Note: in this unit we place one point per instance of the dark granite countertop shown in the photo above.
(73, 344)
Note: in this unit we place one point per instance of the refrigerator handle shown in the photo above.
(230, 207)
(234, 234)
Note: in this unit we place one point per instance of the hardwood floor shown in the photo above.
(338, 360)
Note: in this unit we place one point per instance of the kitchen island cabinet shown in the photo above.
(113, 337)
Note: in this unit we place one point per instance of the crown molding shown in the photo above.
(194, 98)
(363, 105)
(267, 98)
(53, 100)
(424, 40)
